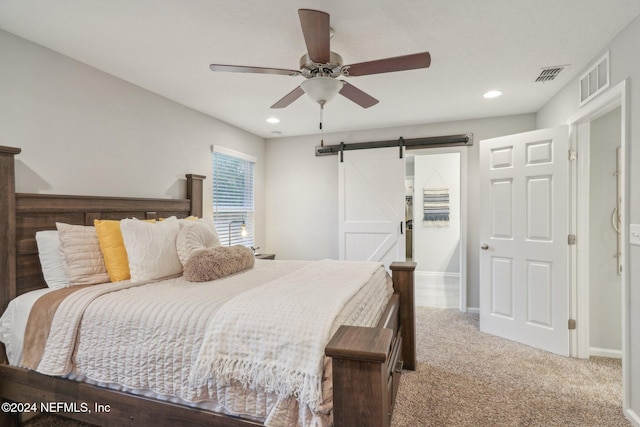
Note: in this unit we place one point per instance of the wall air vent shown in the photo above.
(549, 73)
(595, 80)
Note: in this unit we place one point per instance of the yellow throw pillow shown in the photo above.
(113, 250)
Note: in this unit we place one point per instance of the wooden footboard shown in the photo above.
(366, 361)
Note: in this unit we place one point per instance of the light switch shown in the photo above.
(634, 234)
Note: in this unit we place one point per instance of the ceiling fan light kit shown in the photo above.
(321, 67)
(321, 89)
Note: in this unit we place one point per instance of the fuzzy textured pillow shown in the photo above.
(218, 262)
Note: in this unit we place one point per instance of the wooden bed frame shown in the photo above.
(367, 362)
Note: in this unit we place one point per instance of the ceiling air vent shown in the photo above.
(548, 74)
(595, 80)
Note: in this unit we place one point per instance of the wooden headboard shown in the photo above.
(22, 215)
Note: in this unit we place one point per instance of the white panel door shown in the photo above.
(371, 206)
(524, 275)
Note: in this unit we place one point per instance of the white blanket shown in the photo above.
(273, 336)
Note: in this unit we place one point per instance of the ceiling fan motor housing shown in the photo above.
(333, 68)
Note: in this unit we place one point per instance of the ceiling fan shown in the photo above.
(321, 67)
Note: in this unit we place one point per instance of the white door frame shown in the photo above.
(579, 139)
(463, 212)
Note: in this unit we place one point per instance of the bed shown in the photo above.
(366, 362)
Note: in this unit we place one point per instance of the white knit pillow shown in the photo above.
(151, 248)
(81, 254)
(194, 236)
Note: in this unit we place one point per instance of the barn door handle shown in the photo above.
(401, 222)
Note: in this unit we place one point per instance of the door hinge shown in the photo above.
(572, 239)
(573, 154)
(572, 324)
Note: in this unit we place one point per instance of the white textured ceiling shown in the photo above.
(166, 46)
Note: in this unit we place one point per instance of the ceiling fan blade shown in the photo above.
(289, 98)
(316, 31)
(258, 70)
(356, 95)
(398, 63)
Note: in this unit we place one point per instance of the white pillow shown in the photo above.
(81, 254)
(195, 235)
(51, 260)
(151, 248)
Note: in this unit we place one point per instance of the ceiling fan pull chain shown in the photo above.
(321, 129)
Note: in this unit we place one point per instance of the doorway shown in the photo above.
(604, 281)
(613, 101)
(597, 132)
(436, 225)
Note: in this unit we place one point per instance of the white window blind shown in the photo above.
(233, 196)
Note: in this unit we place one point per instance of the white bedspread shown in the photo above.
(152, 346)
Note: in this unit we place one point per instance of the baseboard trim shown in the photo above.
(633, 417)
(605, 352)
(436, 274)
(473, 310)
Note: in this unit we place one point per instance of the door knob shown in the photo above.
(484, 247)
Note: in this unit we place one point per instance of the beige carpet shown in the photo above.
(467, 378)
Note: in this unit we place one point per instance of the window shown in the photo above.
(233, 196)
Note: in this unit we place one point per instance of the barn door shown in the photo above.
(371, 205)
(524, 276)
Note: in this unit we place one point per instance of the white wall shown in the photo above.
(605, 290)
(301, 192)
(625, 64)
(83, 131)
(437, 249)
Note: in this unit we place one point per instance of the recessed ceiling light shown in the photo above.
(492, 94)
(273, 120)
